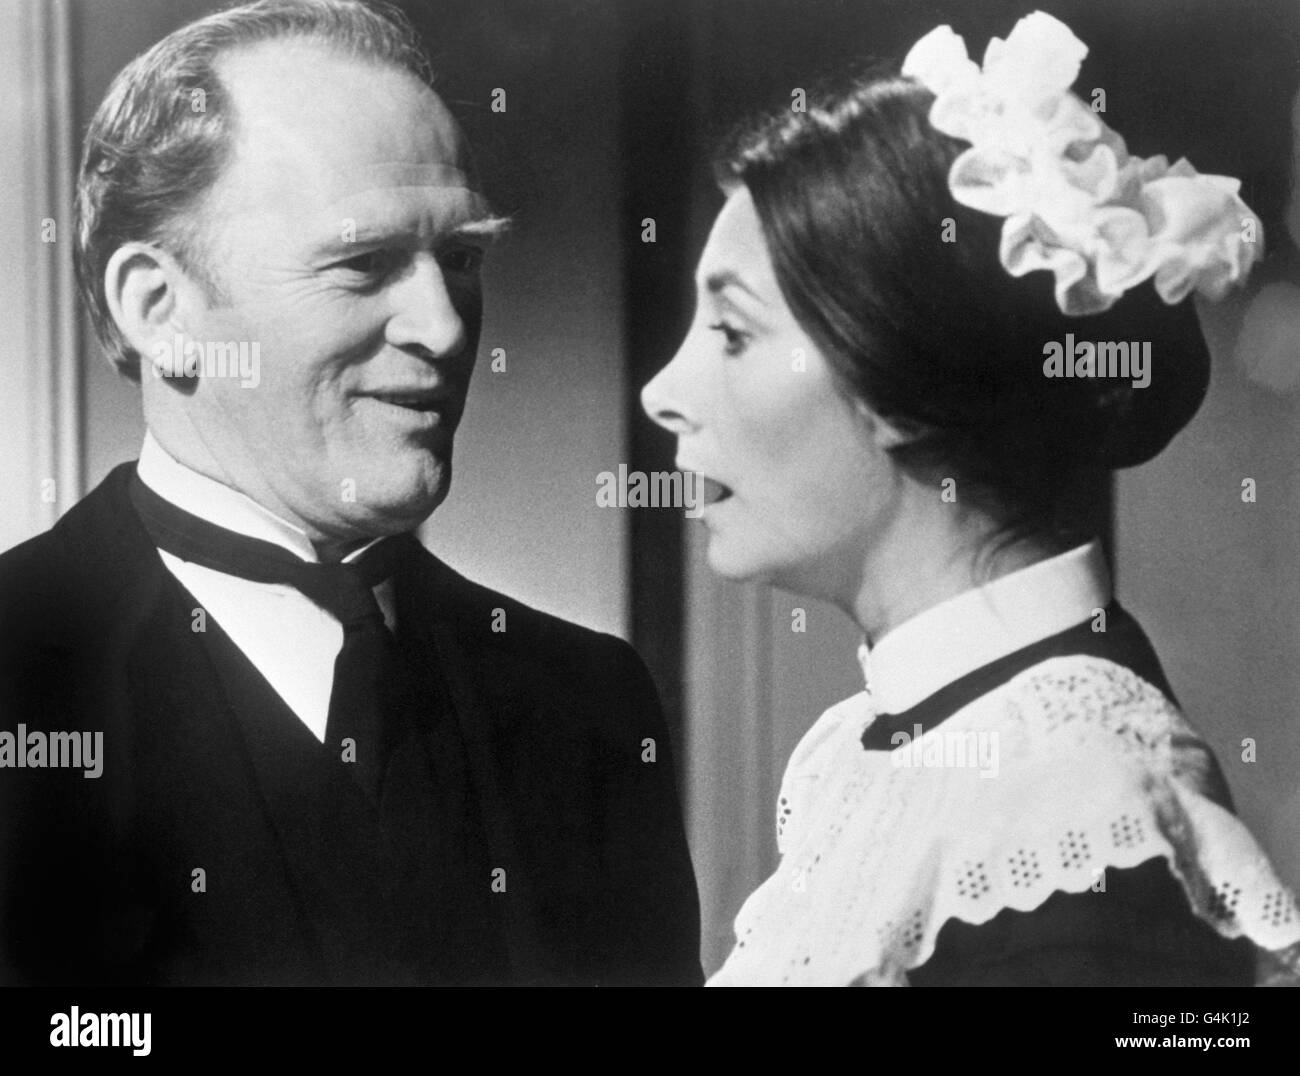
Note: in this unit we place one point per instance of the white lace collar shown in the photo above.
(1094, 769)
(980, 625)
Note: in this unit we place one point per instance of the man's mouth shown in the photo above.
(416, 400)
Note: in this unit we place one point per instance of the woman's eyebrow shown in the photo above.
(726, 278)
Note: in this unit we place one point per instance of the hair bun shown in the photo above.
(1126, 421)
(1105, 390)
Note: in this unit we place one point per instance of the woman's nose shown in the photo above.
(661, 398)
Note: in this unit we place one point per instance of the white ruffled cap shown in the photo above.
(1076, 202)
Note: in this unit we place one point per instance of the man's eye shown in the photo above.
(373, 264)
(734, 339)
(461, 259)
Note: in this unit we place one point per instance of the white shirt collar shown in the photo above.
(219, 504)
(980, 625)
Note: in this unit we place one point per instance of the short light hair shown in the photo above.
(164, 131)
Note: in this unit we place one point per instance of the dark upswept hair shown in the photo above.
(936, 337)
(150, 156)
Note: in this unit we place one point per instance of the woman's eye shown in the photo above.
(733, 338)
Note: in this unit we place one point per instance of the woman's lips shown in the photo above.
(709, 490)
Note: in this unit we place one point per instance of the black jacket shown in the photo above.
(97, 883)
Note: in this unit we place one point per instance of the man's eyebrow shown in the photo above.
(488, 227)
(726, 278)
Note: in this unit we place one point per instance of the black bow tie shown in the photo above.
(365, 666)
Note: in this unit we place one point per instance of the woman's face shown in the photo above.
(794, 478)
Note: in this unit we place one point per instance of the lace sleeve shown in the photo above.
(1137, 929)
(1105, 775)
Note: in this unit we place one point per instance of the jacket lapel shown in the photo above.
(431, 611)
(232, 732)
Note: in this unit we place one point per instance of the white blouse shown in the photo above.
(1073, 766)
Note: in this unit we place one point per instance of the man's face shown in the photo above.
(342, 235)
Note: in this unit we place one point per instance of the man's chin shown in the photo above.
(394, 503)
(406, 510)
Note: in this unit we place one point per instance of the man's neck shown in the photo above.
(175, 472)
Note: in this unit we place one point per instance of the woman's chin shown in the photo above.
(736, 565)
(722, 563)
(796, 577)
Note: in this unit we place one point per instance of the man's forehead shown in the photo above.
(384, 193)
(392, 175)
(330, 126)
(394, 187)
(397, 196)
(369, 206)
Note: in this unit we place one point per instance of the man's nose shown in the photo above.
(426, 314)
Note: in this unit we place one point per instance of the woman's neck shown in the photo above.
(902, 579)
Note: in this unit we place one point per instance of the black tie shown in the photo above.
(366, 669)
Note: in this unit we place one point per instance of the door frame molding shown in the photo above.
(41, 438)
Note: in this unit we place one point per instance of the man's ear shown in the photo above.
(141, 287)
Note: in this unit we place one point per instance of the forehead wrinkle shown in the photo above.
(382, 192)
(330, 184)
(377, 200)
(401, 211)
(399, 174)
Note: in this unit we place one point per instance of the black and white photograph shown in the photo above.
(649, 493)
